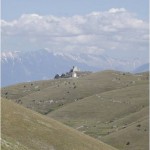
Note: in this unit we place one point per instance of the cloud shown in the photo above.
(117, 10)
(97, 32)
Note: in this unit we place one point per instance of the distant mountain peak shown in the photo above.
(45, 63)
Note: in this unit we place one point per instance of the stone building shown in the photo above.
(73, 73)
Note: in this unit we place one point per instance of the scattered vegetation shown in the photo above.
(109, 105)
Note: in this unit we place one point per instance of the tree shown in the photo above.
(63, 75)
(57, 76)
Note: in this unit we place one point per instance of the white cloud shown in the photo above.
(97, 32)
(117, 10)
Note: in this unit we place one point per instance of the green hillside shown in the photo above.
(23, 129)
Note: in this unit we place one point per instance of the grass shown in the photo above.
(104, 105)
(136, 135)
(23, 129)
(109, 113)
(62, 91)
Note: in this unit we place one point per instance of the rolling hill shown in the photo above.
(111, 116)
(23, 129)
(135, 136)
(103, 105)
(45, 96)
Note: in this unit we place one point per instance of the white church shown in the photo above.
(74, 71)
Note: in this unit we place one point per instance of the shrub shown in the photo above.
(138, 125)
(63, 75)
(57, 76)
(61, 104)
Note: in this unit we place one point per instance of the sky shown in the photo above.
(117, 28)
(15, 8)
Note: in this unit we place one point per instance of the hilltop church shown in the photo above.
(75, 72)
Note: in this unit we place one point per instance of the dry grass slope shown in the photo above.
(103, 105)
(23, 129)
(135, 136)
(46, 96)
(111, 113)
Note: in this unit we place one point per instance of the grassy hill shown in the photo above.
(23, 129)
(107, 105)
(46, 96)
(134, 136)
(111, 113)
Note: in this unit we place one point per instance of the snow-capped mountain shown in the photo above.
(44, 64)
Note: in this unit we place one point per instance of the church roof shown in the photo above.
(75, 69)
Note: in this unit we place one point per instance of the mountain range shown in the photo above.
(17, 66)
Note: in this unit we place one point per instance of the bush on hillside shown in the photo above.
(56, 76)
